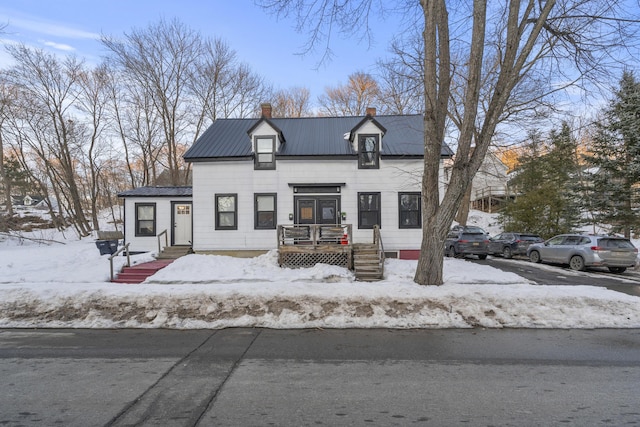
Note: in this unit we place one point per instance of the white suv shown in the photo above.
(582, 251)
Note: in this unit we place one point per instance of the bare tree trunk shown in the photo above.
(463, 212)
(5, 179)
(437, 86)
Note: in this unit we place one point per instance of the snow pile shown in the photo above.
(66, 286)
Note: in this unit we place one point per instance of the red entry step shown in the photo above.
(139, 273)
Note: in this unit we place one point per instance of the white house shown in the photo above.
(250, 175)
(489, 188)
(153, 211)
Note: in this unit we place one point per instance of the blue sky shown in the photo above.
(270, 46)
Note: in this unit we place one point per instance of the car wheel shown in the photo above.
(534, 256)
(483, 256)
(577, 263)
(617, 270)
(506, 252)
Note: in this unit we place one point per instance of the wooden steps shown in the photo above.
(139, 273)
(368, 265)
(174, 252)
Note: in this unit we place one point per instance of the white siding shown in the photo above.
(490, 178)
(239, 177)
(163, 222)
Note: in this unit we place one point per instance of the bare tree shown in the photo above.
(45, 122)
(401, 77)
(212, 79)
(93, 101)
(351, 99)
(172, 84)
(485, 55)
(159, 60)
(292, 102)
(6, 99)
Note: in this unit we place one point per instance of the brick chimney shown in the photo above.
(371, 111)
(266, 110)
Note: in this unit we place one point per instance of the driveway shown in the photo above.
(548, 274)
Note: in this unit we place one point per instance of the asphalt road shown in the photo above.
(259, 377)
(547, 274)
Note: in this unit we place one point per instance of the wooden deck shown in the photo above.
(307, 245)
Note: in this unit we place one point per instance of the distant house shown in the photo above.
(26, 201)
(251, 175)
(489, 188)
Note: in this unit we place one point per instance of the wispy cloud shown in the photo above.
(49, 28)
(59, 46)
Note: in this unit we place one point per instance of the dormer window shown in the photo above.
(368, 152)
(265, 149)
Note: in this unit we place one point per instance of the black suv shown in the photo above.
(462, 241)
(510, 244)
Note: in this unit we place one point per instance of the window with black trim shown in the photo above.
(410, 210)
(265, 147)
(145, 219)
(265, 208)
(368, 210)
(368, 152)
(226, 211)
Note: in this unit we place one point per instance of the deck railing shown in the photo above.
(314, 234)
(304, 245)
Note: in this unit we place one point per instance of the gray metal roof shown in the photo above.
(311, 136)
(158, 192)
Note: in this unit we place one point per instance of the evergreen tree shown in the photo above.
(547, 202)
(615, 159)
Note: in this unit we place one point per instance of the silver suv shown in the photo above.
(582, 251)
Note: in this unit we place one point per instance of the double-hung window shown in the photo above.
(226, 211)
(265, 148)
(265, 207)
(368, 152)
(145, 219)
(410, 210)
(368, 210)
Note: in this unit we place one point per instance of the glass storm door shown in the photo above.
(182, 224)
(317, 210)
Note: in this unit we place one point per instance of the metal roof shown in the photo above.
(158, 192)
(311, 136)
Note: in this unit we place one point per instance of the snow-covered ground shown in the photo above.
(66, 285)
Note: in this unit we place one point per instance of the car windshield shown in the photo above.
(531, 237)
(616, 243)
(473, 230)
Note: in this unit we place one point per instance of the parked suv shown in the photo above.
(510, 244)
(462, 241)
(582, 251)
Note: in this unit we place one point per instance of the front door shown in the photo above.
(182, 224)
(317, 210)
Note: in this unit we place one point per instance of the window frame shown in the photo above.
(152, 233)
(361, 153)
(234, 211)
(256, 223)
(418, 210)
(378, 210)
(257, 164)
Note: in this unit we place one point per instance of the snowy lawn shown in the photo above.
(66, 286)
